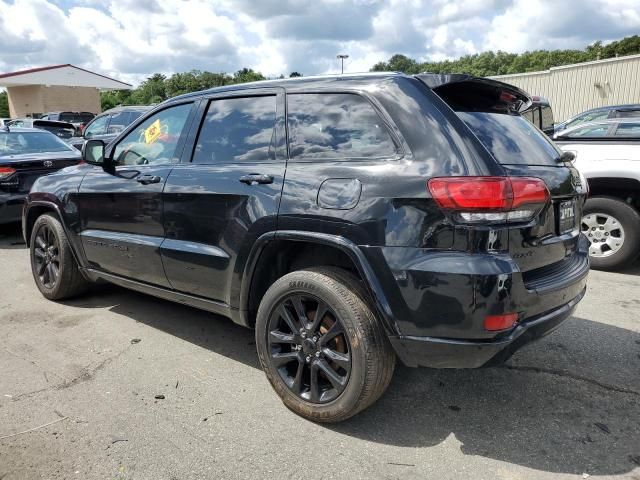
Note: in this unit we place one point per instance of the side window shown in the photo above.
(335, 125)
(118, 123)
(628, 130)
(154, 141)
(236, 130)
(590, 131)
(547, 117)
(588, 117)
(97, 127)
(628, 113)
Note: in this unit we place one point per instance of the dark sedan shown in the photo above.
(26, 154)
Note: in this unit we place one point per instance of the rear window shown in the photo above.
(511, 139)
(17, 143)
(335, 125)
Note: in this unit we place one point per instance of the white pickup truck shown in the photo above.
(607, 153)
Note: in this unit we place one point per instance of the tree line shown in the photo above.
(490, 63)
(159, 87)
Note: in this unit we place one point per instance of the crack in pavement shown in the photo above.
(89, 373)
(573, 376)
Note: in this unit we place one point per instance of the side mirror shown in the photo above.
(93, 152)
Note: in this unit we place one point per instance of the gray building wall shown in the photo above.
(572, 89)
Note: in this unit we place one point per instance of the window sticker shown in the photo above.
(153, 132)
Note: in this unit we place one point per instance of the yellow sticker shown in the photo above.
(152, 132)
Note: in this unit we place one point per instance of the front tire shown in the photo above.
(613, 228)
(325, 366)
(54, 269)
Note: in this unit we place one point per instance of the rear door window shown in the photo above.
(97, 127)
(236, 130)
(628, 113)
(335, 125)
(511, 139)
(628, 130)
(118, 122)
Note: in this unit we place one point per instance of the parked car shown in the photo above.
(600, 113)
(78, 119)
(26, 154)
(62, 130)
(377, 215)
(608, 154)
(540, 113)
(109, 124)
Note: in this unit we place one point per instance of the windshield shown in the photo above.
(18, 143)
(511, 139)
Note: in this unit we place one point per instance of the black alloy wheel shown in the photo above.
(47, 256)
(309, 348)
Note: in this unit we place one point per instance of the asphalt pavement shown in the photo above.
(120, 385)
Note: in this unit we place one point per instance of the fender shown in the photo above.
(51, 205)
(372, 284)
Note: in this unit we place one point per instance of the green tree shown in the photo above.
(501, 63)
(4, 105)
(294, 74)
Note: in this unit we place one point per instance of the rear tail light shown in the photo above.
(505, 321)
(6, 172)
(490, 199)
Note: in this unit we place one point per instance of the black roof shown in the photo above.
(353, 79)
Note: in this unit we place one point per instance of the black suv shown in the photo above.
(348, 219)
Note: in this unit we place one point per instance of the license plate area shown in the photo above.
(566, 216)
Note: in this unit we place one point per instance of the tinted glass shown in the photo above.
(16, 143)
(547, 117)
(154, 141)
(511, 139)
(628, 113)
(590, 131)
(335, 125)
(237, 129)
(628, 130)
(588, 117)
(118, 122)
(97, 127)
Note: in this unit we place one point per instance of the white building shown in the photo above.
(572, 89)
(56, 88)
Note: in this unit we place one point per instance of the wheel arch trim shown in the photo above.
(52, 207)
(372, 285)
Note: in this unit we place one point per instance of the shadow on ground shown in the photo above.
(548, 409)
(544, 418)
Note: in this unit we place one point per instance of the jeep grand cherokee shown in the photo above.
(349, 219)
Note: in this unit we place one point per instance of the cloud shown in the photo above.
(132, 39)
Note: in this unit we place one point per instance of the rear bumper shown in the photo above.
(11, 207)
(455, 353)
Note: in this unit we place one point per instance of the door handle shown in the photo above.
(256, 178)
(147, 179)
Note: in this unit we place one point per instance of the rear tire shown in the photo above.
(364, 359)
(54, 269)
(621, 224)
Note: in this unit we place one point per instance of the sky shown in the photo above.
(132, 39)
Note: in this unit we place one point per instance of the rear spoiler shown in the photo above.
(52, 124)
(464, 92)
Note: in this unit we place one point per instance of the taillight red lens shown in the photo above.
(6, 172)
(499, 198)
(500, 322)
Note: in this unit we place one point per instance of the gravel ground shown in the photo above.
(565, 407)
